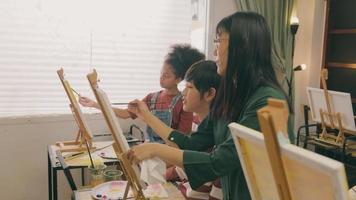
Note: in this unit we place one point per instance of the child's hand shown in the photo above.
(139, 108)
(141, 152)
(87, 102)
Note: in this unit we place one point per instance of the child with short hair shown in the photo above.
(202, 83)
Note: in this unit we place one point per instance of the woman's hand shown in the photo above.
(142, 152)
(139, 108)
(87, 102)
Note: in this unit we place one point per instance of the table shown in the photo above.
(173, 193)
(54, 166)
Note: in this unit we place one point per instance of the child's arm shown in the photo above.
(122, 113)
(145, 151)
(87, 102)
(140, 109)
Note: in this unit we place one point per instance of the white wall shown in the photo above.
(308, 50)
(23, 153)
(217, 9)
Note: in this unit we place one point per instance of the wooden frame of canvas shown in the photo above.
(120, 144)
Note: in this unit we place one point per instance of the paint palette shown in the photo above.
(108, 153)
(114, 190)
(110, 190)
(155, 191)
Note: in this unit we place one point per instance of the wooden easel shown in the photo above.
(331, 119)
(273, 120)
(120, 144)
(83, 134)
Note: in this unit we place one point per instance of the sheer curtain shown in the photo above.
(125, 41)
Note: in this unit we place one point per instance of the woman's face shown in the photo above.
(221, 52)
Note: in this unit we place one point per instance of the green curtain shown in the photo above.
(277, 14)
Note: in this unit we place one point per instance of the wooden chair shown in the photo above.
(275, 169)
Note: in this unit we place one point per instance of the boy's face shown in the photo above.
(192, 100)
(167, 78)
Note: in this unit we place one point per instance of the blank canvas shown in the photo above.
(340, 102)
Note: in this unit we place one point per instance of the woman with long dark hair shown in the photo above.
(243, 52)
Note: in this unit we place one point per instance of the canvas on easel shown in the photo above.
(331, 109)
(341, 113)
(84, 134)
(120, 143)
(275, 169)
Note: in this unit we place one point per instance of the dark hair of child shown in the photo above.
(203, 75)
(181, 57)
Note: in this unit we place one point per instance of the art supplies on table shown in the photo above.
(116, 190)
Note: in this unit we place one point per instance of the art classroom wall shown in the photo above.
(308, 50)
(23, 153)
(216, 11)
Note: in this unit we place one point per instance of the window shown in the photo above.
(125, 41)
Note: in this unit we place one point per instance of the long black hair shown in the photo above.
(249, 64)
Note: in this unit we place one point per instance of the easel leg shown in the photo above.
(50, 172)
(55, 192)
(127, 189)
(83, 180)
(306, 122)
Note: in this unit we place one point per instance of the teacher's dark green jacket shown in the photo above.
(223, 161)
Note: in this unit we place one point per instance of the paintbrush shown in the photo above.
(91, 159)
(76, 155)
(75, 92)
(134, 104)
(120, 104)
